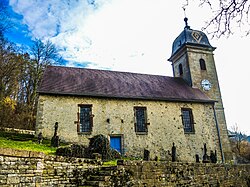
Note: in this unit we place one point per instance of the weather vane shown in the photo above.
(184, 10)
(184, 7)
(185, 17)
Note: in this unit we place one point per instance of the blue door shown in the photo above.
(115, 143)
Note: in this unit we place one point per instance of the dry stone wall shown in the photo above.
(26, 168)
(155, 174)
(19, 131)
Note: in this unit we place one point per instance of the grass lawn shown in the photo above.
(110, 163)
(29, 143)
(25, 142)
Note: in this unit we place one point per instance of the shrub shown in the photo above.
(97, 144)
(75, 150)
(100, 144)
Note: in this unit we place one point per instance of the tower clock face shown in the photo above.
(206, 85)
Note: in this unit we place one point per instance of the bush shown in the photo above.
(98, 144)
(75, 150)
(16, 136)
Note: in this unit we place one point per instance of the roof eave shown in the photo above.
(187, 44)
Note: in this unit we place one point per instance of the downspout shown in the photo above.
(218, 132)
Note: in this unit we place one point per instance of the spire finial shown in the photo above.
(186, 23)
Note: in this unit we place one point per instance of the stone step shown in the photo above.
(102, 177)
(105, 172)
(109, 168)
(99, 178)
(97, 183)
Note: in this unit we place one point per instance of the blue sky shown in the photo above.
(134, 36)
(19, 33)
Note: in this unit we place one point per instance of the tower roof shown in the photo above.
(190, 37)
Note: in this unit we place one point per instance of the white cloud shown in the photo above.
(122, 36)
(46, 18)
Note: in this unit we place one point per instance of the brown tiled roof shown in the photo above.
(112, 84)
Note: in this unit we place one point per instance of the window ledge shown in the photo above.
(141, 133)
(84, 133)
(189, 132)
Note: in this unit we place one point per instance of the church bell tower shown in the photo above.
(193, 60)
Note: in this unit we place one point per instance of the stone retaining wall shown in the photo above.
(27, 168)
(154, 174)
(18, 131)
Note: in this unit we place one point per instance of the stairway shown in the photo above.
(100, 177)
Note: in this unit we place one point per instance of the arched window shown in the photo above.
(203, 64)
(180, 69)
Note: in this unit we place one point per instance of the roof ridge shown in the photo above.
(115, 71)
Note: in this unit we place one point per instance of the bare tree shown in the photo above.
(228, 17)
(238, 137)
(20, 75)
(42, 55)
(9, 68)
(240, 145)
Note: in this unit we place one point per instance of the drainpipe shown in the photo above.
(218, 132)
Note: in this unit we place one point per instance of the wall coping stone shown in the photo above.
(176, 164)
(19, 131)
(14, 152)
(40, 155)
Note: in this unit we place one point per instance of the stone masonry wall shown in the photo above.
(28, 169)
(189, 57)
(156, 174)
(214, 93)
(164, 125)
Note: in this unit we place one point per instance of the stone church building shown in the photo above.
(140, 111)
